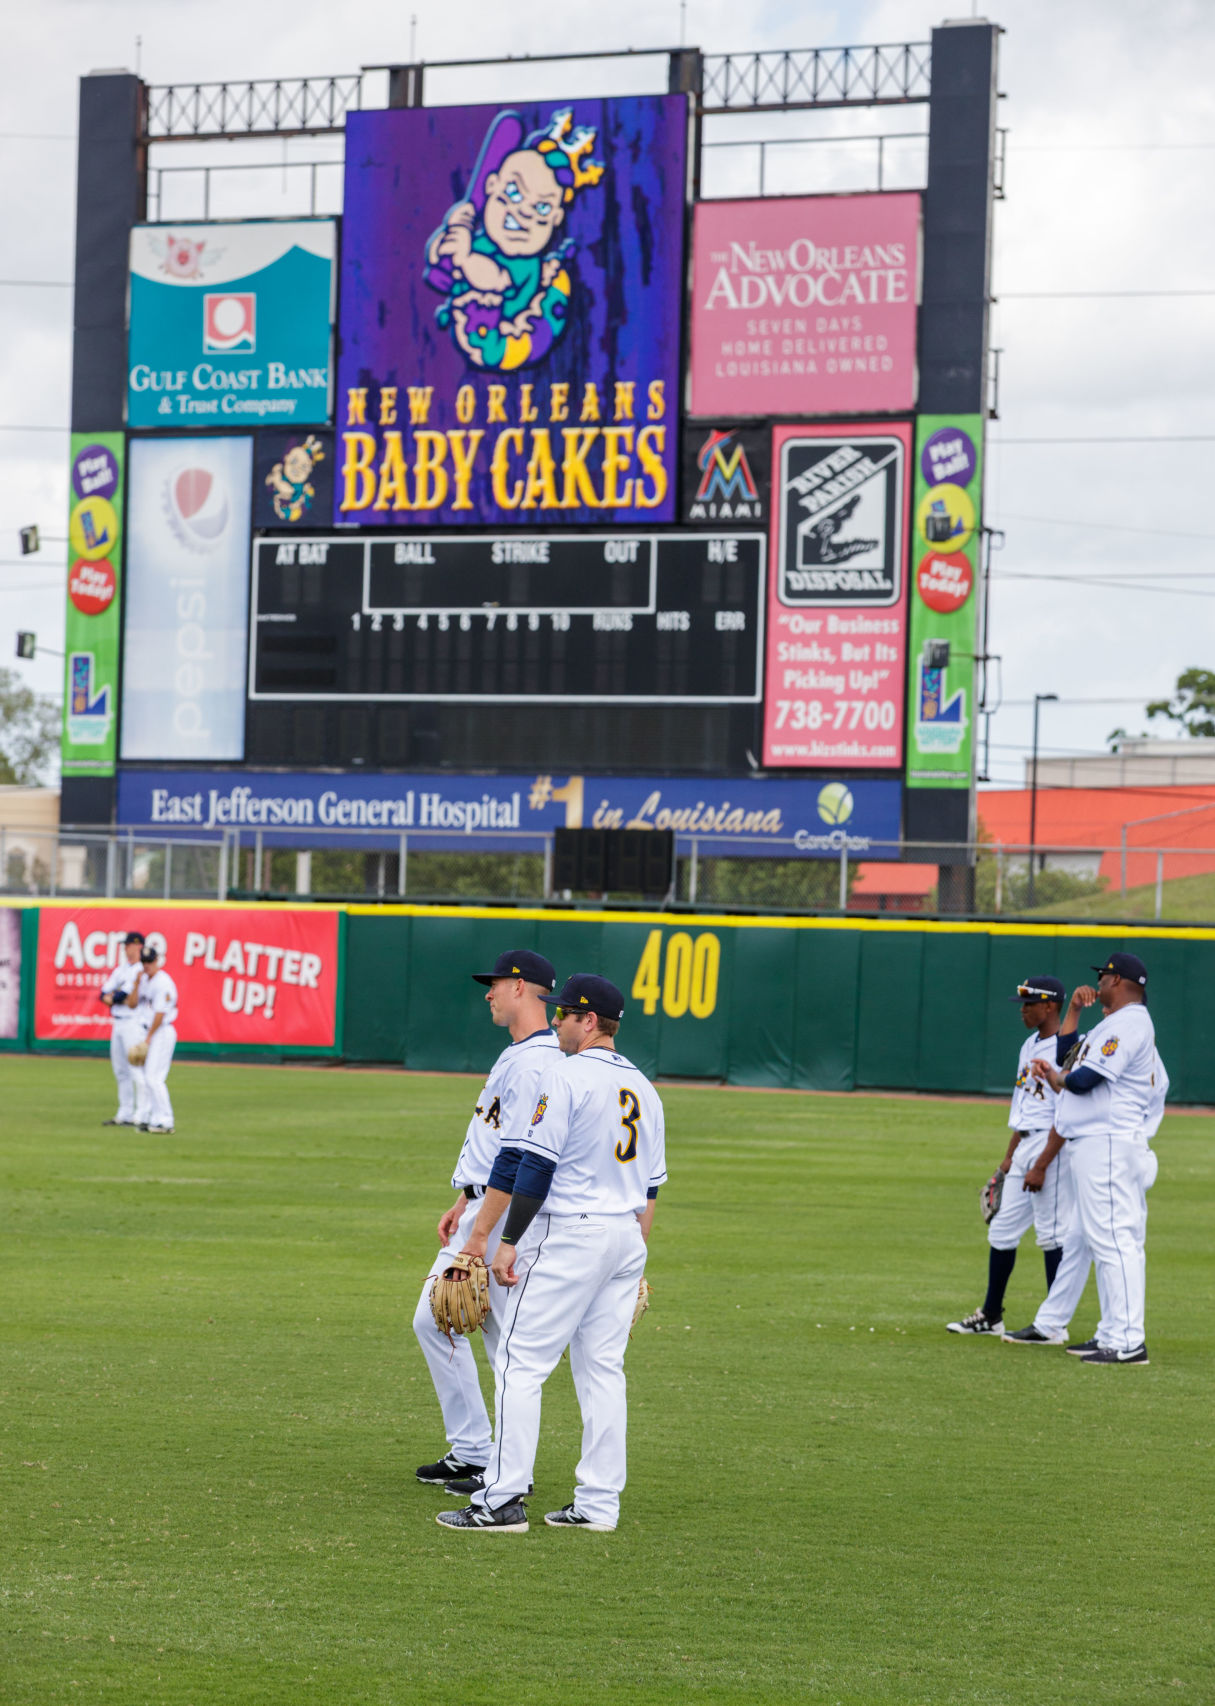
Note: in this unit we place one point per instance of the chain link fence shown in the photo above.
(987, 880)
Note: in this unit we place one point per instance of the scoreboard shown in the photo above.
(614, 619)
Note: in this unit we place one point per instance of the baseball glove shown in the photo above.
(459, 1296)
(644, 1289)
(990, 1196)
(138, 1052)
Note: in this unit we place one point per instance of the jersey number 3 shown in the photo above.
(629, 1116)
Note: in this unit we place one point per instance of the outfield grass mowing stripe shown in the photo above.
(212, 1406)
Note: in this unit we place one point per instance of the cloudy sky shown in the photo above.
(1105, 279)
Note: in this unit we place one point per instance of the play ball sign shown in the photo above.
(945, 582)
(91, 587)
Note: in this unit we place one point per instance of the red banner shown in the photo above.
(243, 974)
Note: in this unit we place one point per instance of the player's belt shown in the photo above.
(474, 1191)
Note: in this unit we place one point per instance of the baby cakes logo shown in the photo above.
(290, 481)
(519, 351)
(541, 1110)
(496, 258)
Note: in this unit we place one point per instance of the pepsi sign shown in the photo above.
(230, 323)
(186, 599)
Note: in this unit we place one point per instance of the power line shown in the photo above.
(1105, 526)
(18, 428)
(1086, 295)
(36, 283)
(1109, 583)
(1142, 438)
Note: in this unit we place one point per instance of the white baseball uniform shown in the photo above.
(1032, 1112)
(1108, 1132)
(157, 994)
(123, 1030)
(579, 1264)
(501, 1116)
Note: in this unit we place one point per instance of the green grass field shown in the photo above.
(212, 1407)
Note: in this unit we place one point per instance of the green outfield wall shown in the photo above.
(788, 1003)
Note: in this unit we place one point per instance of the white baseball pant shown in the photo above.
(577, 1287)
(152, 1105)
(1109, 1227)
(454, 1369)
(1047, 1210)
(121, 1036)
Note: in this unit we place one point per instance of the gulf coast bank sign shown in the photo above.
(762, 818)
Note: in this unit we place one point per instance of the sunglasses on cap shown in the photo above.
(1027, 992)
(560, 1013)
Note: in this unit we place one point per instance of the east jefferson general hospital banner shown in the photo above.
(788, 819)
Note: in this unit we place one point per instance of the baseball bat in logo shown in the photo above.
(841, 521)
(230, 323)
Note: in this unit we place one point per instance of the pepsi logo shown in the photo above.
(196, 503)
(230, 322)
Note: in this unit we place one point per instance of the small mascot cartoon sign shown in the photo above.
(512, 354)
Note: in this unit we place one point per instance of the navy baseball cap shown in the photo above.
(595, 994)
(1129, 966)
(131, 937)
(1039, 989)
(520, 962)
(149, 956)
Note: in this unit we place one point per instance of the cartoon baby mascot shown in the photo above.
(495, 258)
(290, 481)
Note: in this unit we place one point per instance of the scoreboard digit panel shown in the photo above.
(642, 618)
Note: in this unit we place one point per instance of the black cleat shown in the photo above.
(507, 1519)
(1031, 1336)
(1106, 1355)
(446, 1469)
(1083, 1350)
(467, 1485)
(976, 1323)
(567, 1517)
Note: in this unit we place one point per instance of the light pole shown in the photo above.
(1039, 699)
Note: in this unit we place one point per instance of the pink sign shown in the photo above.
(805, 305)
(834, 687)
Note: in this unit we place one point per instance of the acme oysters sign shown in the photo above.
(805, 306)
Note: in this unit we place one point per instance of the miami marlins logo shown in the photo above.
(727, 488)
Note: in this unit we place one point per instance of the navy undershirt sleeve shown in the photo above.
(1065, 1042)
(1082, 1079)
(535, 1175)
(505, 1167)
(652, 1194)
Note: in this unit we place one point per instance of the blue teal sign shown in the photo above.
(230, 324)
(813, 818)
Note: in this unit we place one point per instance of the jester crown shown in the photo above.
(567, 150)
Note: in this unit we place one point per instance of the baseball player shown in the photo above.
(1030, 1118)
(156, 1015)
(119, 994)
(516, 991)
(1111, 1101)
(579, 1194)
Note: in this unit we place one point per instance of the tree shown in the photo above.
(1191, 703)
(29, 732)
